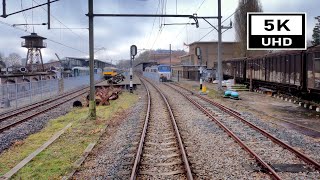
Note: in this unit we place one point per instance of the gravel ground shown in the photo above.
(20, 132)
(305, 144)
(212, 154)
(301, 142)
(114, 154)
(161, 145)
(269, 151)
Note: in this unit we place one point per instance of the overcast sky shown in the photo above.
(113, 36)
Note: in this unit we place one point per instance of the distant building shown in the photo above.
(160, 54)
(71, 62)
(209, 51)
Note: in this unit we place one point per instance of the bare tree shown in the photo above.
(123, 64)
(2, 63)
(13, 59)
(244, 6)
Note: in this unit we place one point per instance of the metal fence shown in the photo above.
(153, 76)
(20, 94)
(13, 96)
(207, 75)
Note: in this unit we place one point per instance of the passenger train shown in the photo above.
(161, 72)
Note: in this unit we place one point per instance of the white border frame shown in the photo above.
(278, 13)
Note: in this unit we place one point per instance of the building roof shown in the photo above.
(84, 59)
(213, 42)
(33, 36)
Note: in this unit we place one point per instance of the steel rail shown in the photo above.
(302, 156)
(142, 139)
(35, 105)
(39, 103)
(37, 113)
(176, 129)
(232, 135)
(206, 99)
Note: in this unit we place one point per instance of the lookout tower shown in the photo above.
(34, 43)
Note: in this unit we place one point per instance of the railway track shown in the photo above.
(12, 113)
(14, 118)
(160, 153)
(269, 152)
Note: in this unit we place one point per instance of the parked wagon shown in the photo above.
(290, 72)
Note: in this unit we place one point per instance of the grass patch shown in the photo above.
(57, 160)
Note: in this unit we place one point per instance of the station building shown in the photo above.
(189, 66)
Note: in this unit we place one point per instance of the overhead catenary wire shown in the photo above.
(188, 21)
(20, 29)
(24, 15)
(66, 27)
(224, 21)
(154, 20)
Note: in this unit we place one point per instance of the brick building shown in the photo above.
(209, 51)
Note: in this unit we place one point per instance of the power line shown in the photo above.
(61, 22)
(154, 20)
(159, 33)
(235, 11)
(189, 20)
(225, 20)
(15, 27)
(24, 15)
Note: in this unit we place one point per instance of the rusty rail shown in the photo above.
(142, 139)
(302, 156)
(35, 105)
(39, 112)
(233, 136)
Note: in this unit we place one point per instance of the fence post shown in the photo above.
(31, 91)
(50, 81)
(41, 89)
(178, 75)
(8, 94)
(16, 95)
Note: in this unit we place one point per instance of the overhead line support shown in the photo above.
(4, 15)
(48, 14)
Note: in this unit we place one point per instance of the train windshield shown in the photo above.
(164, 68)
(109, 69)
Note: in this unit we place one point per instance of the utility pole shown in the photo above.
(219, 47)
(92, 103)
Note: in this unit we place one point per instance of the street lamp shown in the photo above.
(133, 52)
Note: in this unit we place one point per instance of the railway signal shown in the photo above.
(133, 52)
(276, 31)
(198, 53)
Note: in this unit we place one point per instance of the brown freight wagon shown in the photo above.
(291, 72)
(313, 70)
